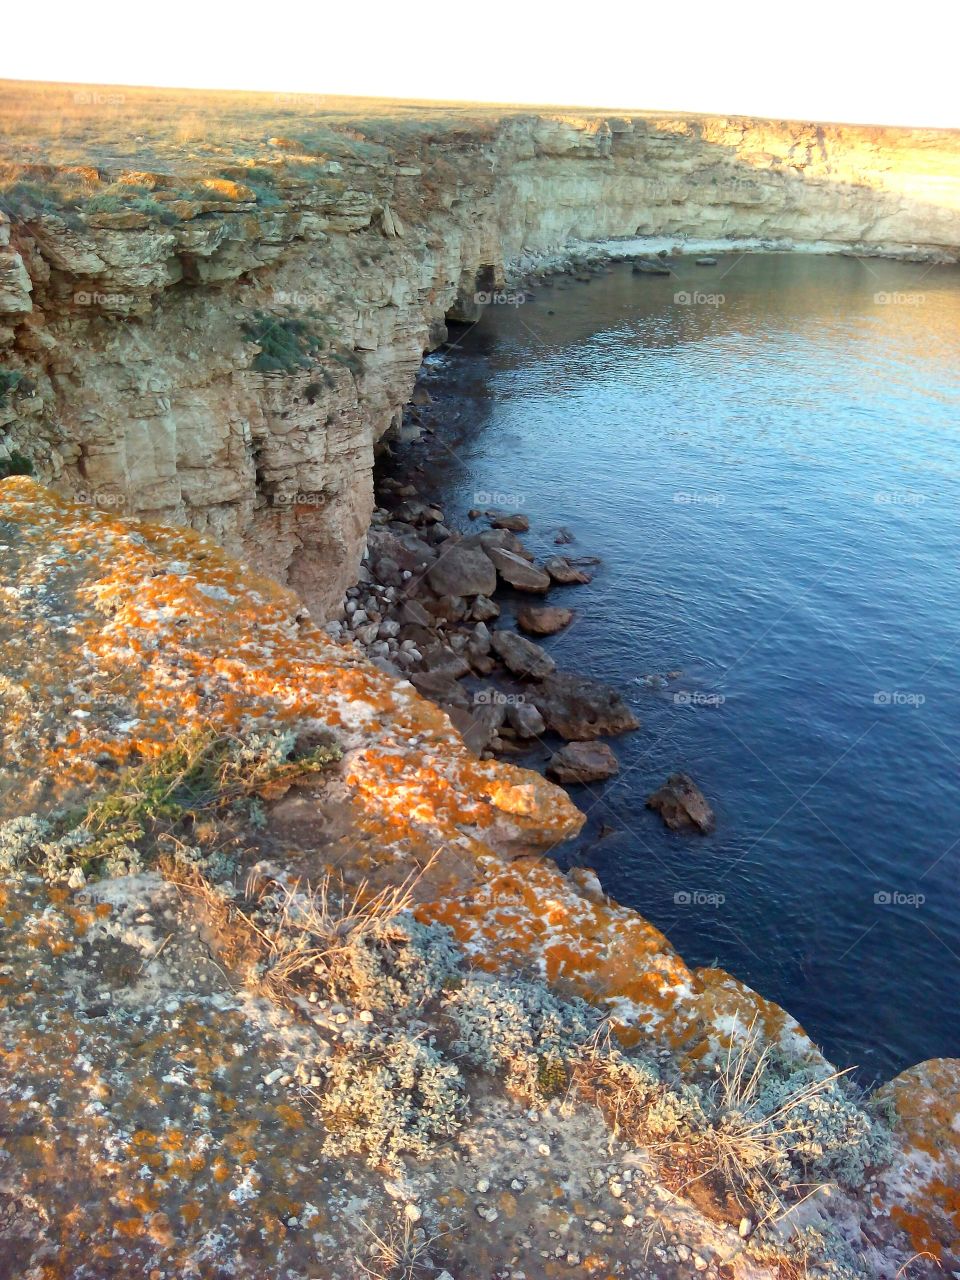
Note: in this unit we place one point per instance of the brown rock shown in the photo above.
(561, 570)
(543, 620)
(682, 805)
(583, 762)
(512, 521)
(580, 709)
(462, 571)
(502, 538)
(517, 572)
(521, 656)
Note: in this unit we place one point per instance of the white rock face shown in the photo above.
(143, 395)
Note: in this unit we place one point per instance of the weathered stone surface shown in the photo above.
(521, 656)
(583, 762)
(543, 620)
(561, 570)
(682, 805)
(514, 521)
(462, 571)
(525, 720)
(579, 708)
(517, 572)
(504, 539)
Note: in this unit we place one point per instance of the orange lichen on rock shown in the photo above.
(120, 635)
(923, 1186)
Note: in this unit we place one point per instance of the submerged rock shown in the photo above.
(510, 520)
(682, 805)
(583, 762)
(579, 708)
(561, 570)
(647, 267)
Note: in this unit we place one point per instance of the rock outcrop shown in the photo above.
(188, 1147)
(225, 350)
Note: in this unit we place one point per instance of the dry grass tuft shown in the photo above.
(401, 1253)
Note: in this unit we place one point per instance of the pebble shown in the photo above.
(413, 1213)
(365, 1015)
(273, 1076)
(483, 1185)
(629, 1220)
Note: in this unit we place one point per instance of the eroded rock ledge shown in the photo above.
(116, 637)
(218, 337)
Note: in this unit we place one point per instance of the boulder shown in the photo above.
(581, 709)
(440, 688)
(682, 805)
(561, 570)
(521, 656)
(440, 658)
(475, 732)
(413, 511)
(484, 609)
(448, 608)
(648, 267)
(462, 571)
(505, 539)
(510, 520)
(583, 762)
(525, 720)
(412, 613)
(517, 572)
(543, 620)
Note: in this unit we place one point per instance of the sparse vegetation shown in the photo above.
(287, 343)
(201, 772)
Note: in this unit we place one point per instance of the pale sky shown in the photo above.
(824, 60)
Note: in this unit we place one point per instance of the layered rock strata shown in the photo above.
(226, 352)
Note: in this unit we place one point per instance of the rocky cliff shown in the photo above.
(217, 334)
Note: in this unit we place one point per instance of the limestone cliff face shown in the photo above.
(145, 343)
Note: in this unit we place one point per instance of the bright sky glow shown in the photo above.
(823, 60)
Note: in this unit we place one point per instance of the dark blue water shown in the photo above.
(773, 482)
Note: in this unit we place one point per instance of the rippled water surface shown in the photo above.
(772, 481)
